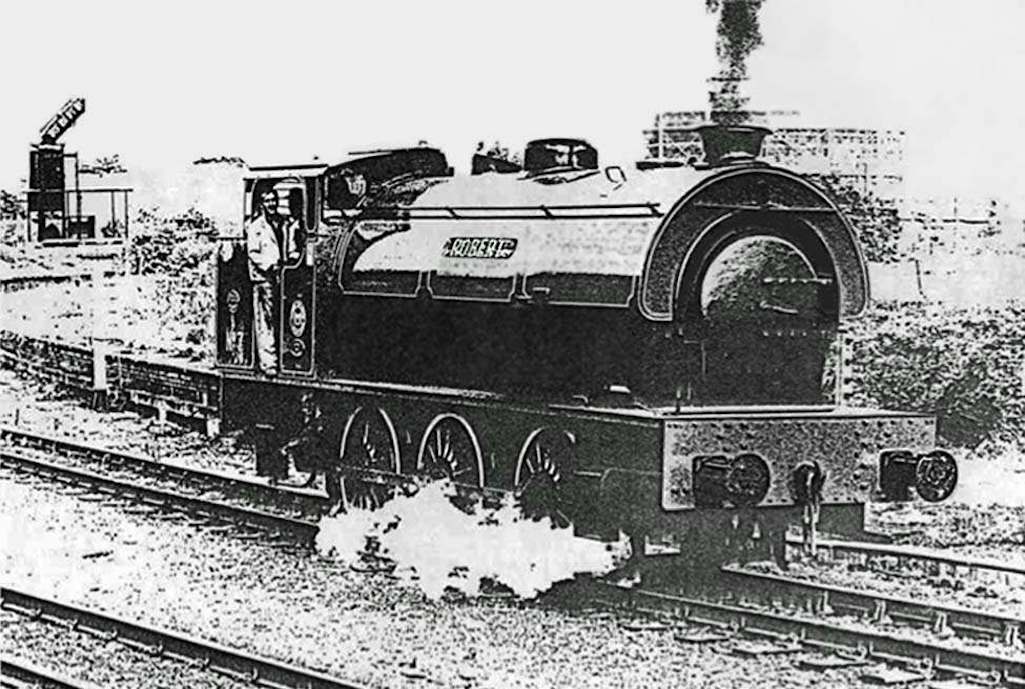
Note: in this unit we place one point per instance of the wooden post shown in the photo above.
(212, 426)
(99, 341)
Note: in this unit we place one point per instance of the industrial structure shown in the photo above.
(61, 214)
(866, 160)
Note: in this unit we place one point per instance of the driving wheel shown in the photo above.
(544, 469)
(369, 443)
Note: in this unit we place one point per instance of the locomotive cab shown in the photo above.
(286, 199)
(309, 207)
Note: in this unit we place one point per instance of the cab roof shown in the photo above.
(354, 159)
(278, 171)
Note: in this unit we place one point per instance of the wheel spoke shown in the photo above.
(448, 451)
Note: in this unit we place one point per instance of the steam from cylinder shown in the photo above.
(440, 546)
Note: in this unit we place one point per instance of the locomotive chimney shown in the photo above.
(732, 139)
(731, 144)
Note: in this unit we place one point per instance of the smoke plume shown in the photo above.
(738, 36)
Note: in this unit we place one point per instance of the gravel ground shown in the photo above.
(84, 657)
(1014, 653)
(1010, 552)
(310, 611)
(956, 523)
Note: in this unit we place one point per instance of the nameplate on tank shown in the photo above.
(479, 247)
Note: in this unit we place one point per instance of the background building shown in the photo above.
(869, 161)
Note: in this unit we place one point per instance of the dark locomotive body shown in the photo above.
(647, 351)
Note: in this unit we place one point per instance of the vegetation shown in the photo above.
(172, 244)
(966, 365)
(179, 251)
(876, 220)
(11, 207)
(104, 165)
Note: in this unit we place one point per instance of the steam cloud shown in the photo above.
(438, 546)
(738, 36)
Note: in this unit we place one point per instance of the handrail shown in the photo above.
(649, 209)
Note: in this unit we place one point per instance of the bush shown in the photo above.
(11, 206)
(875, 220)
(963, 364)
(173, 244)
(180, 248)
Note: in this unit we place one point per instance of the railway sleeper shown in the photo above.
(155, 650)
(202, 662)
(1012, 633)
(943, 623)
(824, 663)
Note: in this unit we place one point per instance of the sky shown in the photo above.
(169, 82)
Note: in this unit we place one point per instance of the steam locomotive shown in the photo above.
(655, 350)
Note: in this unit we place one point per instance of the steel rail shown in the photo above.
(237, 664)
(304, 531)
(19, 673)
(817, 635)
(912, 553)
(281, 496)
(286, 497)
(880, 607)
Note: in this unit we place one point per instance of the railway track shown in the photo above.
(298, 503)
(309, 504)
(786, 633)
(891, 557)
(887, 557)
(942, 619)
(16, 673)
(816, 644)
(155, 642)
(243, 520)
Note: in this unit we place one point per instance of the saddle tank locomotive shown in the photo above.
(656, 351)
